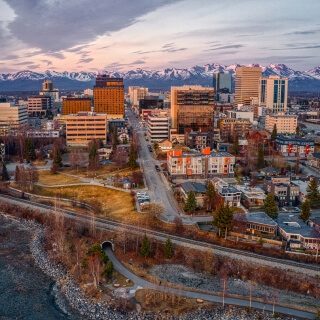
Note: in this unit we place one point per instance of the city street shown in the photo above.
(158, 186)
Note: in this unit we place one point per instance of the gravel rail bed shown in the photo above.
(102, 311)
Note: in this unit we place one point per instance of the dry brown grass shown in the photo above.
(48, 178)
(114, 204)
(40, 162)
(123, 172)
(154, 301)
(83, 172)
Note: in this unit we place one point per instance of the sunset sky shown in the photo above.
(121, 35)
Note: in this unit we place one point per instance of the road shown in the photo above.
(231, 253)
(159, 188)
(142, 283)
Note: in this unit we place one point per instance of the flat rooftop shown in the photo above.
(260, 217)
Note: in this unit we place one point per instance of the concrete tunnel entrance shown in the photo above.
(107, 244)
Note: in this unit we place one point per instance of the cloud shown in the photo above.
(168, 45)
(303, 32)
(23, 63)
(57, 55)
(48, 62)
(53, 26)
(119, 65)
(298, 47)
(166, 48)
(33, 66)
(85, 60)
(10, 57)
(219, 47)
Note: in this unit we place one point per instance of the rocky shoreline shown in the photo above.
(101, 311)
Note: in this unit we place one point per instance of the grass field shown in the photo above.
(113, 204)
(48, 178)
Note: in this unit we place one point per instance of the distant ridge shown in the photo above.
(299, 81)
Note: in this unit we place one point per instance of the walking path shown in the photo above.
(142, 283)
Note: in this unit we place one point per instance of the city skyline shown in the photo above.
(151, 34)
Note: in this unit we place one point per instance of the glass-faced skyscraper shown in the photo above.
(273, 93)
(223, 82)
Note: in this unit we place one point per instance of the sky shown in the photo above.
(123, 35)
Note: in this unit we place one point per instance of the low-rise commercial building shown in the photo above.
(285, 123)
(38, 105)
(81, 128)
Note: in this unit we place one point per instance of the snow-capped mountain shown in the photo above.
(156, 79)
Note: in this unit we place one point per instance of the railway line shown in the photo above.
(110, 225)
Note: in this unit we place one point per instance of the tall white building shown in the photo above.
(12, 116)
(136, 93)
(273, 93)
(158, 127)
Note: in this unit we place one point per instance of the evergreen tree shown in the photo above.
(305, 211)
(298, 130)
(191, 203)
(223, 218)
(313, 194)
(57, 158)
(17, 175)
(156, 146)
(93, 151)
(236, 145)
(168, 249)
(274, 133)
(115, 138)
(210, 195)
(270, 207)
(132, 162)
(108, 270)
(5, 174)
(260, 158)
(145, 250)
(29, 150)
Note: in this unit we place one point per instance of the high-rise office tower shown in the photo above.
(223, 82)
(48, 90)
(192, 107)
(247, 85)
(108, 95)
(273, 93)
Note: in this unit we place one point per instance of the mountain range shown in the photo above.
(299, 81)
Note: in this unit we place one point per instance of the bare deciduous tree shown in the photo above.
(32, 176)
(155, 209)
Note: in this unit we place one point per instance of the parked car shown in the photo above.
(157, 167)
(296, 209)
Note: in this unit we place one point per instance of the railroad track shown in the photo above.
(110, 225)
